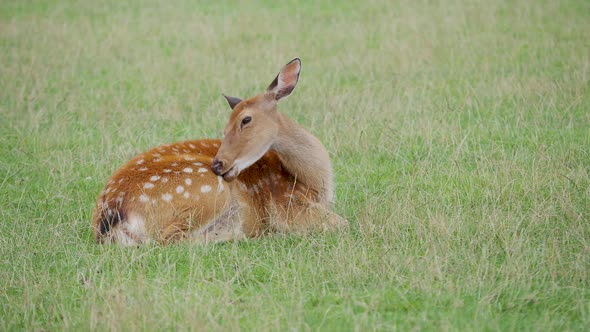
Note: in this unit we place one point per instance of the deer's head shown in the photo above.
(253, 125)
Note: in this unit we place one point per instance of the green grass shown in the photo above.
(459, 133)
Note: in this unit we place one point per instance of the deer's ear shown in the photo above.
(232, 101)
(286, 80)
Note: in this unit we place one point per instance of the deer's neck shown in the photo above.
(304, 156)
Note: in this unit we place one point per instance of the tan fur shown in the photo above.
(171, 193)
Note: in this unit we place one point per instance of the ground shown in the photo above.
(459, 133)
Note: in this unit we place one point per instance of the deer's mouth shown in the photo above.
(231, 174)
(218, 167)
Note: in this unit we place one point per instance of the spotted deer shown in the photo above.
(267, 175)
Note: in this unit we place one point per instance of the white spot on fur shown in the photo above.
(144, 198)
(188, 170)
(192, 146)
(142, 169)
(188, 182)
(164, 180)
(205, 188)
(167, 197)
(140, 161)
(155, 178)
(167, 170)
(157, 160)
(220, 184)
(215, 144)
(202, 170)
(179, 189)
(148, 185)
(198, 164)
(205, 145)
(121, 180)
(186, 194)
(189, 157)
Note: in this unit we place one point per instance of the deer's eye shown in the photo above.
(245, 121)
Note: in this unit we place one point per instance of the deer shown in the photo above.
(268, 175)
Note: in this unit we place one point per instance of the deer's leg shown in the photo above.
(306, 218)
(227, 225)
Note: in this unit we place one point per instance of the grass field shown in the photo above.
(459, 133)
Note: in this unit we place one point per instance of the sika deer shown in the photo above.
(267, 175)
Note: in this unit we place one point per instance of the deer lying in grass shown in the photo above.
(267, 175)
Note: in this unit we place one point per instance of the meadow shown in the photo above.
(459, 132)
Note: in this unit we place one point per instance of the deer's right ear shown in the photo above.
(232, 101)
(286, 80)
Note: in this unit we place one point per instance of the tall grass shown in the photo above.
(459, 133)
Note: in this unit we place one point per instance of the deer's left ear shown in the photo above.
(232, 101)
(286, 80)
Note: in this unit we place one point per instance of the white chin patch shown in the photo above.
(242, 164)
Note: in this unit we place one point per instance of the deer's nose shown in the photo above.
(217, 166)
